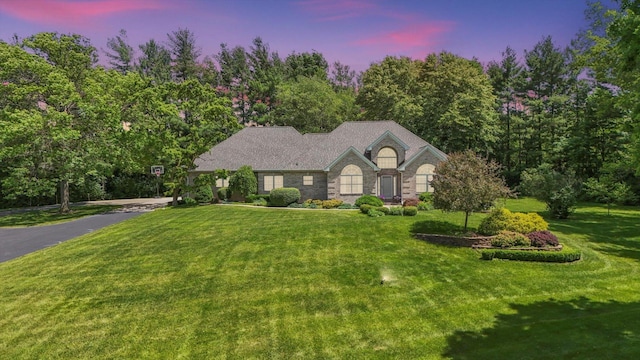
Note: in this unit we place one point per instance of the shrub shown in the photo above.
(312, 206)
(296, 206)
(495, 222)
(426, 197)
(369, 200)
(503, 219)
(542, 256)
(526, 223)
(509, 239)
(252, 198)
(410, 211)
(243, 181)
(203, 194)
(375, 213)
(187, 201)
(542, 238)
(347, 206)
(411, 202)
(424, 206)
(260, 202)
(383, 209)
(331, 204)
(395, 210)
(364, 208)
(316, 202)
(223, 193)
(284, 196)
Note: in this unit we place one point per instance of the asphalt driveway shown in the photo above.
(15, 242)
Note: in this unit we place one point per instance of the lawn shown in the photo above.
(244, 282)
(51, 216)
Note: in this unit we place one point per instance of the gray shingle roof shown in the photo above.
(284, 148)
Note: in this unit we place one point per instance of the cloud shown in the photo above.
(418, 36)
(66, 11)
(332, 10)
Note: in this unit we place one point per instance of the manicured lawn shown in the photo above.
(242, 282)
(48, 217)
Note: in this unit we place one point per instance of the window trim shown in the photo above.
(271, 181)
(307, 180)
(354, 188)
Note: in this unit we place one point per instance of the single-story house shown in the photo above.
(379, 158)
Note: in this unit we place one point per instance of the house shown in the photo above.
(379, 158)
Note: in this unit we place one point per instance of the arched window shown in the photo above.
(351, 180)
(387, 158)
(424, 176)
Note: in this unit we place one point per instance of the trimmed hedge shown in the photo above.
(283, 196)
(540, 256)
(369, 200)
(410, 211)
(503, 219)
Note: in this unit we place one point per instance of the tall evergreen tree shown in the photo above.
(155, 62)
(184, 54)
(121, 53)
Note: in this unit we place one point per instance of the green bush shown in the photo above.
(375, 212)
(283, 196)
(296, 206)
(509, 239)
(395, 210)
(347, 206)
(331, 204)
(495, 222)
(203, 194)
(369, 200)
(243, 181)
(252, 198)
(426, 197)
(503, 219)
(364, 208)
(424, 206)
(534, 255)
(223, 193)
(410, 211)
(187, 201)
(316, 202)
(260, 202)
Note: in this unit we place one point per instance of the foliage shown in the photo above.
(284, 196)
(315, 202)
(203, 194)
(543, 238)
(223, 193)
(346, 206)
(253, 197)
(410, 202)
(375, 212)
(424, 206)
(331, 204)
(410, 211)
(507, 238)
(261, 202)
(497, 221)
(540, 256)
(296, 205)
(502, 219)
(426, 197)
(187, 202)
(554, 188)
(369, 200)
(467, 182)
(395, 210)
(243, 181)
(607, 190)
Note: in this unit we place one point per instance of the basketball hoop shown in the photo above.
(157, 170)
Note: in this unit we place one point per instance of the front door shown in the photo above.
(386, 187)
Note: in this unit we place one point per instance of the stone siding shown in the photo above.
(295, 180)
(409, 174)
(369, 179)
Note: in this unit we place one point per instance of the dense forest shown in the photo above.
(74, 129)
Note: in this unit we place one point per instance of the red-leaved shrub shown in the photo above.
(411, 202)
(542, 238)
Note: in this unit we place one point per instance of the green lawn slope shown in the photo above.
(243, 282)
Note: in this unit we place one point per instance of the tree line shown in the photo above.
(71, 126)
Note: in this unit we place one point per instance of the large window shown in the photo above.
(222, 183)
(272, 182)
(387, 158)
(424, 176)
(351, 180)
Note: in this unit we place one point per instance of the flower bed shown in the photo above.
(459, 241)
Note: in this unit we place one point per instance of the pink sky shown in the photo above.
(355, 32)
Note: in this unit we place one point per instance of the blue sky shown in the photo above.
(355, 32)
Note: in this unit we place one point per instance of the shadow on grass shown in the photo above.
(42, 217)
(613, 234)
(435, 227)
(580, 329)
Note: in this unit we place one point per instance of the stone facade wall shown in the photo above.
(409, 175)
(294, 179)
(369, 179)
(387, 142)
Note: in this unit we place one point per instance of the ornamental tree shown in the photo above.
(467, 182)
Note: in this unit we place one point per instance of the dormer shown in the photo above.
(385, 148)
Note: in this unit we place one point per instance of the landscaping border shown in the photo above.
(459, 241)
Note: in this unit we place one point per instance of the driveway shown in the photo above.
(15, 242)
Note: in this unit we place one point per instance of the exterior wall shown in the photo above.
(408, 177)
(294, 179)
(369, 179)
(387, 142)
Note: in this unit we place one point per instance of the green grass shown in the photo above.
(244, 282)
(52, 216)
